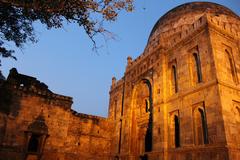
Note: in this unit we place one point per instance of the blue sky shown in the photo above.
(63, 59)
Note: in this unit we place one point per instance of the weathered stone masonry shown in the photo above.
(59, 133)
(183, 89)
(179, 100)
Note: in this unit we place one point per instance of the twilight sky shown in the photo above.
(63, 59)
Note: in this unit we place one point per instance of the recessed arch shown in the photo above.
(200, 126)
(231, 65)
(236, 111)
(197, 64)
(141, 106)
(174, 130)
(174, 78)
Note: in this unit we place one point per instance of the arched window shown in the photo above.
(231, 66)
(198, 67)
(174, 130)
(204, 125)
(174, 78)
(33, 144)
(200, 126)
(177, 131)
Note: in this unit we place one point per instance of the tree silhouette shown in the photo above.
(17, 18)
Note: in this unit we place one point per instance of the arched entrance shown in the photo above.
(36, 136)
(141, 131)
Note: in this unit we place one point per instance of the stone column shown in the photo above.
(129, 60)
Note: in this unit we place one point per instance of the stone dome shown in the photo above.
(187, 13)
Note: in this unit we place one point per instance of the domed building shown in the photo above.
(179, 100)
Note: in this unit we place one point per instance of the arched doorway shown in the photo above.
(141, 131)
(36, 136)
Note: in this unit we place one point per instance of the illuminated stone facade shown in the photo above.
(179, 100)
(38, 124)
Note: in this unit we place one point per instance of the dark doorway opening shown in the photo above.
(148, 140)
(149, 108)
(33, 144)
(177, 132)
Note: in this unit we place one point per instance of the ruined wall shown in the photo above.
(29, 99)
(30, 109)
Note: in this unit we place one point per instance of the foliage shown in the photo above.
(17, 18)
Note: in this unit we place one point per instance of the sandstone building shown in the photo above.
(179, 100)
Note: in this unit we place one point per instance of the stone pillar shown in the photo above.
(129, 60)
(113, 81)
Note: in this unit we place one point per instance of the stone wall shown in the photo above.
(88, 137)
(190, 107)
(226, 55)
(179, 100)
(67, 134)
